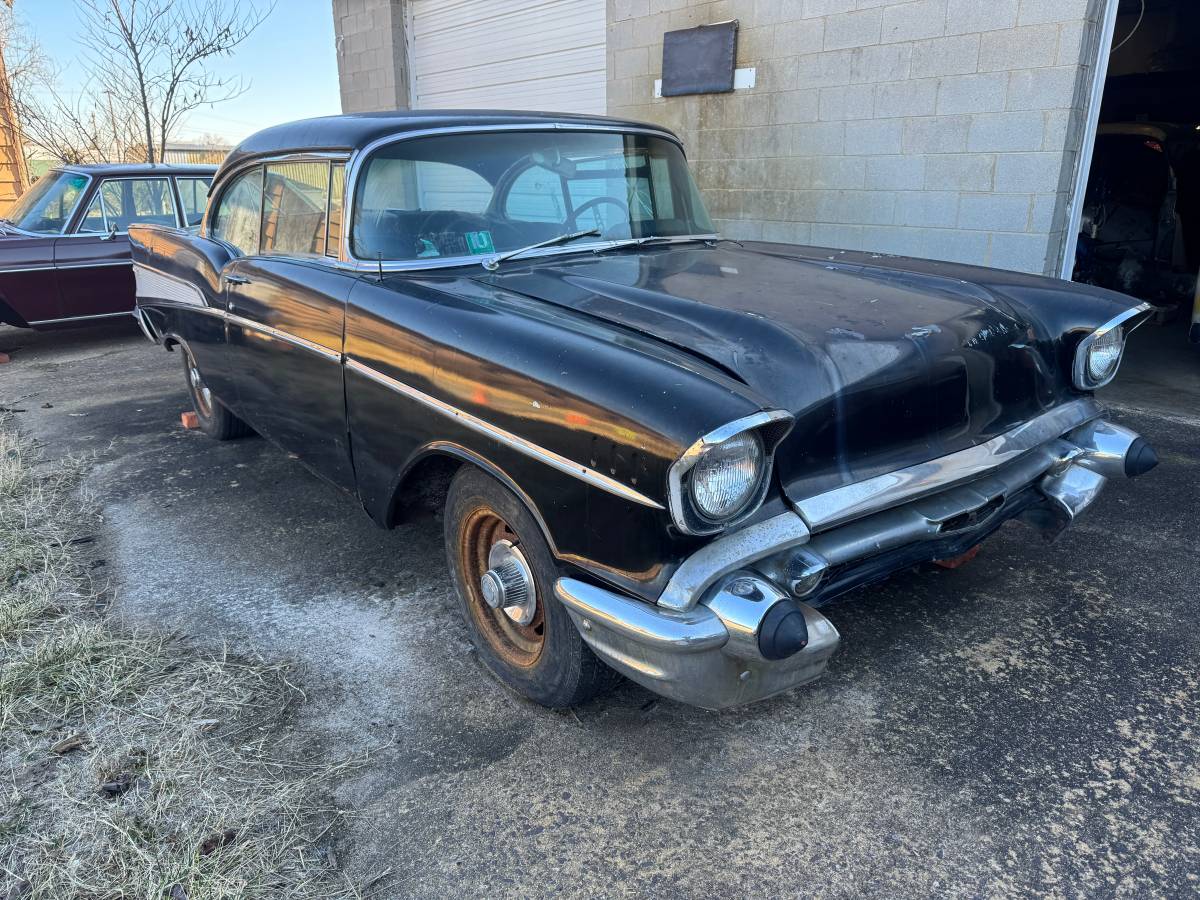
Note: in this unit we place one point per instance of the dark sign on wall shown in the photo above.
(699, 60)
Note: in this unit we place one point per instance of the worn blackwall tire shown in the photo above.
(215, 419)
(546, 660)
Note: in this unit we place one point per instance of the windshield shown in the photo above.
(464, 195)
(47, 206)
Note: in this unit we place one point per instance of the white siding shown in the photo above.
(508, 54)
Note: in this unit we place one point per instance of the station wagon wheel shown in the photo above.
(214, 418)
(505, 573)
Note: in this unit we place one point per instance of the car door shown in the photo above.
(286, 313)
(95, 273)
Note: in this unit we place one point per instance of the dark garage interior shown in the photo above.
(1140, 226)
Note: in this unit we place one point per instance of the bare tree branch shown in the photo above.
(148, 67)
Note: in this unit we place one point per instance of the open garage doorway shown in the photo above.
(1139, 222)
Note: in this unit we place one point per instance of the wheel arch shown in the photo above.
(9, 316)
(440, 457)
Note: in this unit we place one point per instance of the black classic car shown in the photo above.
(64, 249)
(664, 450)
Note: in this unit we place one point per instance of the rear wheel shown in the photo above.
(505, 575)
(215, 420)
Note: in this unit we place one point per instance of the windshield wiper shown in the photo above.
(652, 239)
(493, 263)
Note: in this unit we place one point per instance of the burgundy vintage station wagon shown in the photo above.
(64, 249)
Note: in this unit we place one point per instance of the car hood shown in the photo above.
(884, 362)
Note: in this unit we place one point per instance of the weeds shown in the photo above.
(133, 766)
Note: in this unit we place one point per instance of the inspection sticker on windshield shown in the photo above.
(480, 242)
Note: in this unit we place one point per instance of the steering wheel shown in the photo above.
(596, 201)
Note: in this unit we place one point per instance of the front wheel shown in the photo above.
(215, 420)
(505, 575)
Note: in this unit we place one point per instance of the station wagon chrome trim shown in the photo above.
(549, 457)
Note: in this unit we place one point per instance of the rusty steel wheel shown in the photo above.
(505, 575)
(502, 592)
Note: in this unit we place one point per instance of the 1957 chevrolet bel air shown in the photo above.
(666, 450)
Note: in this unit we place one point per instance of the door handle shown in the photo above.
(236, 279)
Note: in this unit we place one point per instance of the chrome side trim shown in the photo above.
(152, 284)
(854, 500)
(692, 454)
(549, 457)
(78, 318)
(58, 268)
(728, 553)
(295, 340)
(1079, 363)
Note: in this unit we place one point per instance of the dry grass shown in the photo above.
(132, 766)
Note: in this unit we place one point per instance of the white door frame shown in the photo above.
(1083, 168)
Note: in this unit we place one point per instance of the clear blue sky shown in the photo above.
(288, 64)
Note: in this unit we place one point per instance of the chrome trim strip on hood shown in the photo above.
(549, 457)
(843, 504)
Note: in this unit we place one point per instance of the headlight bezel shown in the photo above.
(1080, 369)
(769, 427)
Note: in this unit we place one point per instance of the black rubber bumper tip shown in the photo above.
(783, 631)
(1140, 459)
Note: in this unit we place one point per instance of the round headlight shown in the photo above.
(1103, 356)
(726, 477)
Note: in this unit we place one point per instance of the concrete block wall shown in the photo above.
(371, 54)
(946, 129)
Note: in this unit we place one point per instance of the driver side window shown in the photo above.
(536, 195)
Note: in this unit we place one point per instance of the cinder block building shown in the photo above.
(951, 129)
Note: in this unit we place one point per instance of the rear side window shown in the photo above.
(240, 211)
(295, 206)
(193, 194)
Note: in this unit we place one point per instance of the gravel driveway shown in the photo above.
(1023, 725)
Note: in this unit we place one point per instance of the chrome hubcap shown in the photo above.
(199, 389)
(508, 583)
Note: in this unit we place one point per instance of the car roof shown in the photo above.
(357, 130)
(111, 169)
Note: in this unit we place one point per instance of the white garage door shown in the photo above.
(508, 54)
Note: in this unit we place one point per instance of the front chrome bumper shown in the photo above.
(713, 638)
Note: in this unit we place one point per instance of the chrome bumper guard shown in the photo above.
(727, 630)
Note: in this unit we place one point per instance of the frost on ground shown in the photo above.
(132, 765)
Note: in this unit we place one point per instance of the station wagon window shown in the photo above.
(120, 202)
(239, 212)
(471, 194)
(295, 206)
(193, 194)
(46, 207)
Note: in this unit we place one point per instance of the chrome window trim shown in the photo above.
(172, 188)
(1079, 364)
(549, 457)
(357, 160)
(852, 501)
(691, 456)
(70, 217)
(218, 186)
